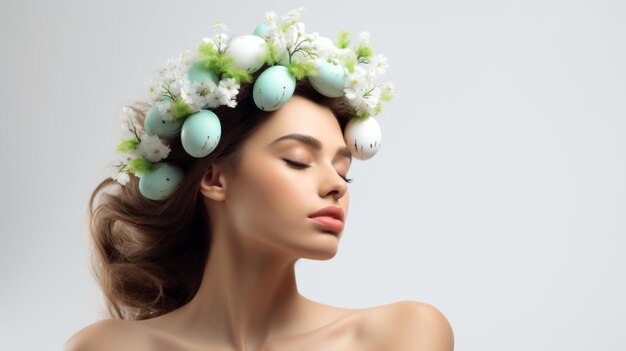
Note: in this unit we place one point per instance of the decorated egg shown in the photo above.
(273, 88)
(330, 78)
(363, 137)
(200, 133)
(161, 181)
(248, 52)
(159, 124)
(262, 29)
(199, 73)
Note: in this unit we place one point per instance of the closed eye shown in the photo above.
(296, 164)
(302, 166)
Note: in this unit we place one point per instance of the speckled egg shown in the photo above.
(161, 181)
(157, 124)
(200, 133)
(363, 137)
(248, 52)
(330, 78)
(273, 88)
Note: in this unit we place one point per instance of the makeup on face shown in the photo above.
(314, 145)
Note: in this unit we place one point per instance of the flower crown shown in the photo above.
(188, 87)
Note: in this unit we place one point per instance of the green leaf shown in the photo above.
(240, 75)
(350, 64)
(128, 145)
(343, 41)
(378, 109)
(139, 165)
(301, 69)
(386, 96)
(364, 51)
(272, 55)
(207, 51)
(180, 110)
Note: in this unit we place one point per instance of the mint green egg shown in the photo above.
(157, 124)
(200, 133)
(262, 29)
(161, 181)
(273, 88)
(330, 80)
(199, 73)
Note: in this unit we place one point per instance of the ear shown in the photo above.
(213, 183)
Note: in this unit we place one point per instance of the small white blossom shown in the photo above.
(359, 79)
(165, 109)
(389, 89)
(121, 177)
(293, 15)
(126, 117)
(152, 149)
(221, 40)
(219, 26)
(379, 64)
(364, 38)
(270, 17)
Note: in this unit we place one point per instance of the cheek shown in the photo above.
(270, 198)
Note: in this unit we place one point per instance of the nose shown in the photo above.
(332, 184)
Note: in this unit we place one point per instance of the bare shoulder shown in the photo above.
(106, 335)
(407, 325)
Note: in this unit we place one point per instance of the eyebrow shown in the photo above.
(313, 143)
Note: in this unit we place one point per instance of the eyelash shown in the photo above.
(302, 165)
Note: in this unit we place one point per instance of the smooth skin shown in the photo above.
(248, 298)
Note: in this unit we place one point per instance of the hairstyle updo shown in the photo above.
(148, 256)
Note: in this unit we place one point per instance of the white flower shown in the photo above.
(165, 109)
(154, 89)
(364, 38)
(195, 94)
(358, 80)
(213, 99)
(219, 26)
(230, 84)
(379, 64)
(125, 118)
(151, 148)
(293, 15)
(389, 89)
(270, 17)
(227, 91)
(120, 177)
(221, 40)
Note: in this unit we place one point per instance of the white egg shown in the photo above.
(248, 52)
(363, 137)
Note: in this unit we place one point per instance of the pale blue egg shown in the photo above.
(199, 73)
(330, 80)
(262, 29)
(200, 133)
(161, 181)
(273, 88)
(157, 124)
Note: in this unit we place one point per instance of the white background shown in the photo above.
(498, 195)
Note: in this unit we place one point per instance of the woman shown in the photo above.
(208, 264)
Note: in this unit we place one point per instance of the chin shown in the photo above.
(322, 251)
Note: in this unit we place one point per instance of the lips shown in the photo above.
(329, 218)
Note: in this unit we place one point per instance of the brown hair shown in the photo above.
(148, 256)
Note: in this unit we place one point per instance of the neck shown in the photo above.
(248, 293)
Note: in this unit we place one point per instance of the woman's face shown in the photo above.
(270, 197)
